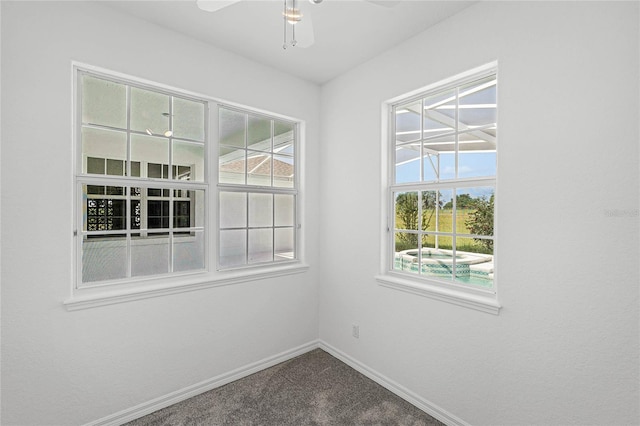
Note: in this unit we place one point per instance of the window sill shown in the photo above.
(110, 296)
(484, 302)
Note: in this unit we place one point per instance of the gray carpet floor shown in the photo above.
(312, 389)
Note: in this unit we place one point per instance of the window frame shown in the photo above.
(103, 293)
(450, 291)
(128, 181)
(249, 189)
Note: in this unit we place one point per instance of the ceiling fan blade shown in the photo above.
(304, 29)
(214, 5)
(385, 3)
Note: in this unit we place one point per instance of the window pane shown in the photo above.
(476, 155)
(445, 214)
(260, 245)
(283, 137)
(439, 114)
(428, 242)
(408, 122)
(442, 149)
(258, 169)
(283, 171)
(284, 210)
(233, 248)
(284, 244)
(406, 209)
(104, 102)
(406, 241)
(406, 249)
(232, 166)
(444, 242)
(430, 210)
(478, 104)
(149, 111)
(150, 255)
(447, 165)
(149, 149)
(189, 157)
(476, 164)
(474, 262)
(188, 252)
(233, 209)
(188, 119)
(259, 133)
(232, 128)
(104, 258)
(431, 166)
(435, 262)
(102, 144)
(260, 210)
(284, 129)
(408, 163)
(475, 211)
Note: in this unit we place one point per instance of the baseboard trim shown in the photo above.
(159, 403)
(198, 388)
(427, 406)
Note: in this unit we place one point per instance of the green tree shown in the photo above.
(463, 201)
(480, 221)
(407, 214)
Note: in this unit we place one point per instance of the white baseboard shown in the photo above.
(427, 406)
(204, 386)
(221, 380)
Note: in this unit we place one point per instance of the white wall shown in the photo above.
(564, 349)
(62, 367)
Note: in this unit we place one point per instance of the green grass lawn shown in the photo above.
(445, 224)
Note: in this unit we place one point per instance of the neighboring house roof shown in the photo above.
(259, 165)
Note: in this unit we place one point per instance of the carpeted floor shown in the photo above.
(312, 389)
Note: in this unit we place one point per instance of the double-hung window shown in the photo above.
(159, 195)
(441, 194)
(257, 189)
(141, 181)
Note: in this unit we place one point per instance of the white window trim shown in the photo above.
(465, 296)
(113, 292)
(174, 285)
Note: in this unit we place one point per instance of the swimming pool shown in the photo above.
(470, 268)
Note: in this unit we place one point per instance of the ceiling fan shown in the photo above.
(300, 30)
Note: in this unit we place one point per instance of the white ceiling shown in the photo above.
(346, 32)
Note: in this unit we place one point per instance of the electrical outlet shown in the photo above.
(355, 331)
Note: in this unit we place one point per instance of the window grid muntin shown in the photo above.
(451, 184)
(130, 182)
